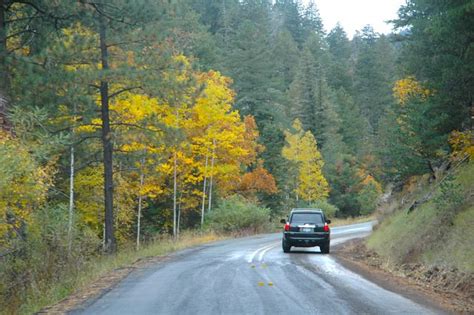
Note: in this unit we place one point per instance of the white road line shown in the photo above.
(252, 256)
(263, 252)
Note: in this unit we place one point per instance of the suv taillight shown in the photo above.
(326, 227)
(287, 227)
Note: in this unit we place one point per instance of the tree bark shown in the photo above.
(71, 201)
(178, 220)
(175, 188)
(211, 177)
(204, 192)
(140, 201)
(110, 244)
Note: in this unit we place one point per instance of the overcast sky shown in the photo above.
(355, 14)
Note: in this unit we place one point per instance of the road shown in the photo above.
(253, 276)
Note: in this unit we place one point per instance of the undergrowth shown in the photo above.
(34, 299)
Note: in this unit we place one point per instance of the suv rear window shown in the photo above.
(310, 218)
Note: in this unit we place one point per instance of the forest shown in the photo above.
(123, 121)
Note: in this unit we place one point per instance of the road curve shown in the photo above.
(253, 276)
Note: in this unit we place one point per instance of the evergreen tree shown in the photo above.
(373, 76)
(312, 22)
(437, 49)
(353, 127)
(339, 69)
(288, 16)
(309, 92)
(286, 54)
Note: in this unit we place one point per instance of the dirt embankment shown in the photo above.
(449, 289)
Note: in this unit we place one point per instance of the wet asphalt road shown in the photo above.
(253, 276)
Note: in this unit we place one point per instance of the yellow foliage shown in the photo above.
(409, 87)
(23, 186)
(132, 108)
(462, 144)
(301, 148)
(193, 119)
(90, 200)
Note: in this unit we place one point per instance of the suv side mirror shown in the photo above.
(328, 221)
(283, 221)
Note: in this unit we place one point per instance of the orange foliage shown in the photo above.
(259, 180)
(250, 143)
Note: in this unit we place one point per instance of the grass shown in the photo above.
(438, 232)
(102, 265)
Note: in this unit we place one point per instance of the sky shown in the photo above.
(355, 14)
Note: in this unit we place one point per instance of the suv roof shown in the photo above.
(306, 210)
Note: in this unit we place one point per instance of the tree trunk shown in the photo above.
(178, 221)
(204, 192)
(211, 178)
(175, 188)
(110, 245)
(140, 200)
(71, 201)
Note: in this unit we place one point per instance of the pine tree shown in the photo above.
(285, 51)
(309, 93)
(289, 17)
(312, 22)
(437, 50)
(373, 76)
(339, 69)
(353, 126)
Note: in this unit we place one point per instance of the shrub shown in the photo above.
(41, 259)
(329, 209)
(368, 198)
(238, 214)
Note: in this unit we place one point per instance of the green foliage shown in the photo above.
(236, 214)
(450, 195)
(438, 50)
(329, 209)
(340, 51)
(367, 198)
(344, 181)
(373, 75)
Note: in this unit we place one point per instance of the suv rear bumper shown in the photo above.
(306, 239)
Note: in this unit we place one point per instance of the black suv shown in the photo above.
(306, 228)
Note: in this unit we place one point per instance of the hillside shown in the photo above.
(436, 233)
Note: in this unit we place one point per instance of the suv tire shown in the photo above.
(286, 247)
(324, 248)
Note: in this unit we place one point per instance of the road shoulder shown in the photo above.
(90, 293)
(434, 292)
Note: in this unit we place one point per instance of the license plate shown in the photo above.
(306, 230)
